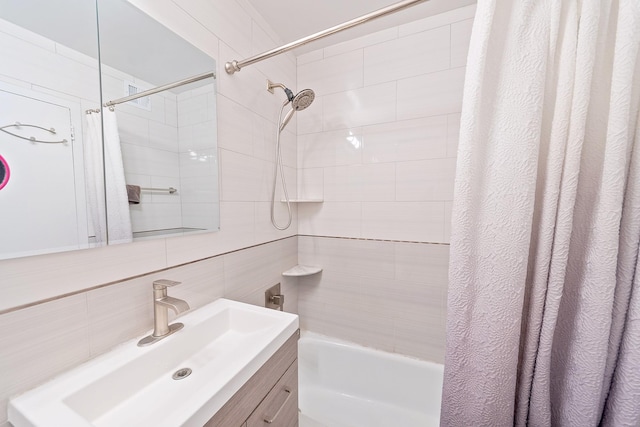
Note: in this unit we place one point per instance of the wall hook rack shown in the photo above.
(31, 138)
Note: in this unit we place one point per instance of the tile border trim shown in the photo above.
(115, 282)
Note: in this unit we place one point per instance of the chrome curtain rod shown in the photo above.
(233, 66)
(160, 89)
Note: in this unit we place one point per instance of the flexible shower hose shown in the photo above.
(275, 176)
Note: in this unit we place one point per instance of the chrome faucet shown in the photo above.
(161, 305)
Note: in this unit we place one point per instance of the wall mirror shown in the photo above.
(167, 139)
(48, 76)
(53, 190)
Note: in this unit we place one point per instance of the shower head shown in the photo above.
(303, 99)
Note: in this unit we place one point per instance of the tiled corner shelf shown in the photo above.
(302, 270)
(303, 201)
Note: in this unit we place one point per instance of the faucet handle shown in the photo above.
(161, 284)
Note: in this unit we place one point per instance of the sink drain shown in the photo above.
(181, 374)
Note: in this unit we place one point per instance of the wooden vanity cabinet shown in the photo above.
(271, 394)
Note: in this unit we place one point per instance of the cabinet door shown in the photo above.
(280, 407)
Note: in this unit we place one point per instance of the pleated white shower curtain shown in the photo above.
(544, 296)
(115, 226)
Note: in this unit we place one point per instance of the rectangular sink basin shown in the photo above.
(223, 344)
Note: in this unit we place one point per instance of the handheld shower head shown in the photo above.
(299, 102)
(303, 99)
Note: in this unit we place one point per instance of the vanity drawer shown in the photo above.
(280, 407)
(252, 394)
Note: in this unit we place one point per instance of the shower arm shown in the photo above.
(233, 66)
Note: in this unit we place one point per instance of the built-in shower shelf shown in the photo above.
(302, 270)
(303, 200)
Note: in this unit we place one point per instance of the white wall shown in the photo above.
(247, 114)
(67, 328)
(379, 146)
(149, 137)
(149, 142)
(169, 145)
(38, 68)
(198, 161)
(43, 340)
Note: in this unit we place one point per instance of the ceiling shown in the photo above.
(294, 19)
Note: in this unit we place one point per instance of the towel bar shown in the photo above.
(171, 190)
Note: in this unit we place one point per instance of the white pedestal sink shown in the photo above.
(223, 343)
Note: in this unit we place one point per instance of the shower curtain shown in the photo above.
(544, 296)
(116, 226)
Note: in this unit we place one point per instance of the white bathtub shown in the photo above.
(345, 385)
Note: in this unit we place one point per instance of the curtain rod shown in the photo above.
(233, 66)
(160, 89)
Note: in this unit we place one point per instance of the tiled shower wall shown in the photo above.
(149, 142)
(379, 146)
(198, 161)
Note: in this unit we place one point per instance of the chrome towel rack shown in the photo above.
(171, 190)
(31, 138)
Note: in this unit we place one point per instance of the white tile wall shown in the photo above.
(425, 180)
(47, 68)
(418, 139)
(383, 157)
(403, 116)
(436, 21)
(233, 132)
(335, 74)
(409, 221)
(409, 56)
(357, 43)
(387, 295)
(155, 145)
(244, 178)
(198, 186)
(311, 183)
(360, 107)
(223, 30)
(330, 219)
(431, 94)
(44, 340)
(453, 128)
(460, 38)
(371, 182)
(311, 121)
(335, 148)
(40, 342)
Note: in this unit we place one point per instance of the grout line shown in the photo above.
(374, 240)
